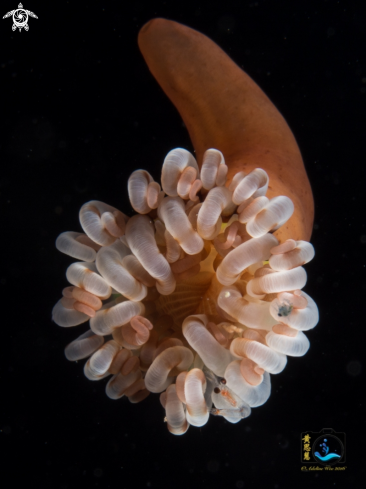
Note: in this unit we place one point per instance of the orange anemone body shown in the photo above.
(223, 108)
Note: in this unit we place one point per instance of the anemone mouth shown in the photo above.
(191, 290)
(192, 296)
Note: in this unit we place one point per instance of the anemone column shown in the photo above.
(223, 108)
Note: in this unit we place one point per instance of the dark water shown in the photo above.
(79, 112)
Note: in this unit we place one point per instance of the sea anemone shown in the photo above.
(198, 296)
(193, 297)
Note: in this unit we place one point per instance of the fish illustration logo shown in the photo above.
(20, 17)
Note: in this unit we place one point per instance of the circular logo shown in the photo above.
(328, 450)
(20, 17)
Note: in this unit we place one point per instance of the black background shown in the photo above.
(79, 112)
